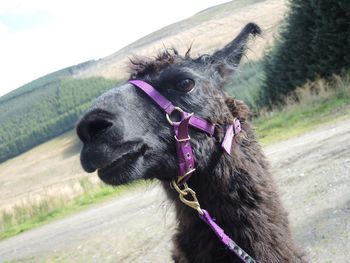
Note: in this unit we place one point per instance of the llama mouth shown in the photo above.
(126, 159)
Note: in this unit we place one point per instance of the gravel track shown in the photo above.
(312, 172)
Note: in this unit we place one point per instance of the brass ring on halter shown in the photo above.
(179, 179)
(178, 109)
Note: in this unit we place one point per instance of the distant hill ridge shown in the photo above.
(44, 81)
(50, 105)
(207, 30)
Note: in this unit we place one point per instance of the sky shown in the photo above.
(41, 36)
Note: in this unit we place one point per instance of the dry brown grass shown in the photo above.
(32, 210)
(35, 212)
(315, 103)
(50, 169)
(215, 29)
(317, 91)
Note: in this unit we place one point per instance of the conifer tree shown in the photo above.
(313, 40)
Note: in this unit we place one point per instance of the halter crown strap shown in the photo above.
(154, 94)
(231, 131)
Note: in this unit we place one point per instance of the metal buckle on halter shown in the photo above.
(182, 140)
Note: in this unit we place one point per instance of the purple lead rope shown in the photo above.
(186, 165)
(225, 239)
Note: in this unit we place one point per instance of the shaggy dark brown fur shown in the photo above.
(241, 194)
(126, 137)
(238, 191)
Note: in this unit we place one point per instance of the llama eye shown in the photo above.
(185, 85)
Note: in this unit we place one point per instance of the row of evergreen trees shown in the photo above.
(314, 40)
(45, 111)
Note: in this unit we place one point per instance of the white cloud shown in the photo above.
(3, 30)
(78, 31)
(22, 6)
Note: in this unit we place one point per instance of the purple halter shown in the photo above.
(186, 165)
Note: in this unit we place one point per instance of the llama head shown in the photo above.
(126, 136)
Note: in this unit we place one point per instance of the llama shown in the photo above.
(126, 137)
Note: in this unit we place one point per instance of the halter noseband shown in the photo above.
(186, 164)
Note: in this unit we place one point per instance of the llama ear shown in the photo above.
(229, 57)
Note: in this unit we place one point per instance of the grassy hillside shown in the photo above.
(206, 31)
(45, 81)
(49, 106)
(44, 109)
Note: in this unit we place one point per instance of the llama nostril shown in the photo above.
(90, 128)
(97, 127)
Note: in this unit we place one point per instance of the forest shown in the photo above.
(45, 108)
(313, 41)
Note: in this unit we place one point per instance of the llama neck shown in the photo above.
(226, 188)
(240, 194)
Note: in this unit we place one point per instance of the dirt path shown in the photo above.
(312, 172)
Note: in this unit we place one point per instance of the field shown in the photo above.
(32, 175)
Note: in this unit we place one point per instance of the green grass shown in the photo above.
(33, 214)
(318, 103)
(246, 83)
(314, 104)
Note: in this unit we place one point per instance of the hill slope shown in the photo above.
(45, 108)
(207, 30)
(49, 106)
